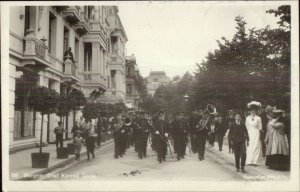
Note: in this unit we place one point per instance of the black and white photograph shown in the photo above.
(150, 95)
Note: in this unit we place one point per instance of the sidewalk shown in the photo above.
(20, 162)
(257, 172)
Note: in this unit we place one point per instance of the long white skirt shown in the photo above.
(254, 150)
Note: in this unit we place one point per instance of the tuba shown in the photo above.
(127, 121)
(206, 115)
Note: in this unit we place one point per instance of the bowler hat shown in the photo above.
(161, 111)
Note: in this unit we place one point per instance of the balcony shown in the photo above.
(117, 59)
(81, 28)
(70, 72)
(60, 8)
(72, 15)
(95, 80)
(96, 27)
(36, 52)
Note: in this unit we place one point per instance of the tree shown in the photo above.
(170, 97)
(76, 100)
(284, 12)
(254, 65)
(97, 93)
(43, 100)
(89, 111)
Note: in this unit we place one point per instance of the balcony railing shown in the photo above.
(72, 15)
(94, 79)
(61, 8)
(35, 52)
(34, 46)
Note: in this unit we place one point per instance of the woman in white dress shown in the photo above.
(253, 124)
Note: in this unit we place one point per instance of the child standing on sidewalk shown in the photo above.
(90, 144)
(77, 141)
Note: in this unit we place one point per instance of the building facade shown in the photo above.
(132, 72)
(156, 79)
(62, 48)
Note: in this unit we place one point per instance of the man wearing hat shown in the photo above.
(179, 134)
(59, 130)
(238, 135)
(75, 128)
(220, 130)
(134, 130)
(161, 133)
(117, 131)
(201, 132)
(229, 122)
(193, 121)
(142, 133)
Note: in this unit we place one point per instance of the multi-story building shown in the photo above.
(39, 55)
(155, 79)
(132, 72)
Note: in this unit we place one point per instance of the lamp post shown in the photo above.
(186, 99)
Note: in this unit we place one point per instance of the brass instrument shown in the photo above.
(206, 114)
(127, 121)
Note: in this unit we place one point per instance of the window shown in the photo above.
(87, 57)
(27, 18)
(24, 117)
(129, 89)
(52, 32)
(114, 45)
(66, 39)
(76, 51)
(89, 12)
(113, 82)
(30, 18)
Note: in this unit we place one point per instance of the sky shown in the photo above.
(174, 36)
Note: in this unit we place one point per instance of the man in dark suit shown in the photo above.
(220, 131)
(201, 132)
(99, 130)
(238, 135)
(179, 134)
(75, 129)
(194, 120)
(161, 134)
(117, 130)
(229, 122)
(142, 132)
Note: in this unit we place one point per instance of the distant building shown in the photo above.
(132, 72)
(155, 79)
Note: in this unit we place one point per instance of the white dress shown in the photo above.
(254, 150)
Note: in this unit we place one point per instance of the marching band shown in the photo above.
(173, 137)
(164, 136)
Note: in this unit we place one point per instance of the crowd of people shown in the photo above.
(261, 131)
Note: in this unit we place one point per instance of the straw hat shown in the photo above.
(254, 105)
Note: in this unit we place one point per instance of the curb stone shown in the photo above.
(37, 174)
